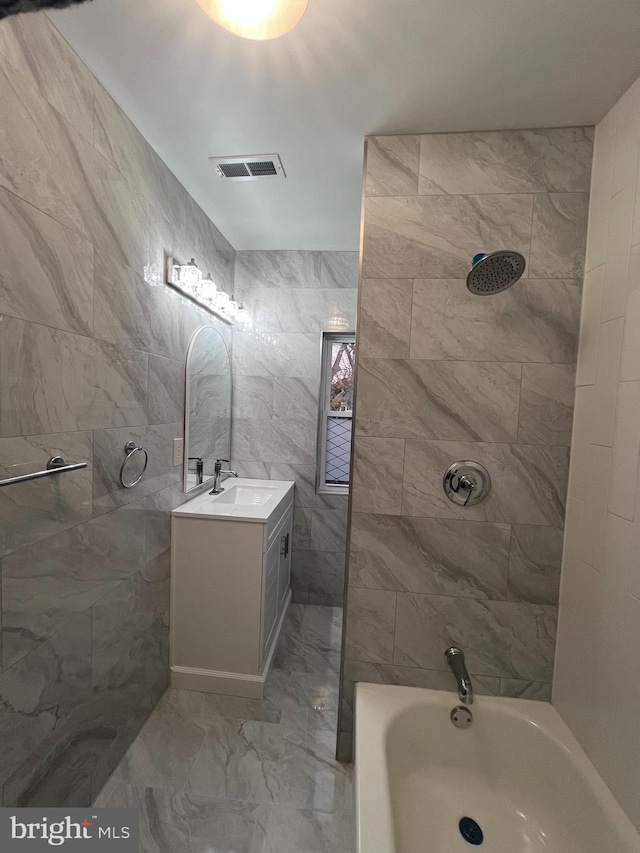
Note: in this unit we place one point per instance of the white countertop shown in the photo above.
(256, 501)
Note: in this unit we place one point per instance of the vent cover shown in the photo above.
(250, 168)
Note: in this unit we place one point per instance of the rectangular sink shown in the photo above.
(242, 500)
(245, 495)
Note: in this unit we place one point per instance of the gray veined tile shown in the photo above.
(559, 236)
(384, 322)
(507, 161)
(519, 689)
(34, 510)
(39, 692)
(377, 476)
(305, 494)
(203, 708)
(37, 51)
(51, 380)
(296, 397)
(529, 482)
(370, 619)
(283, 269)
(546, 404)
(447, 399)
(158, 521)
(534, 564)
(392, 165)
(290, 441)
(109, 454)
(328, 530)
(500, 638)
(125, 615)
(436, 236)
(166, 390)
(263, 763)
(304, 310)
(163, 753)
(429, 555)
(305, 831)
(312, 702)
(290, 354)
(46, 270)
(46, 584)
(310, 640)
(132, 313)
(318, 571)
(535, 321)
(253, 397)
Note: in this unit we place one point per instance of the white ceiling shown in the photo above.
(351, 68)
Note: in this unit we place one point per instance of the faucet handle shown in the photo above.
(222, 460)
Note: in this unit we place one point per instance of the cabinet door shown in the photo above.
(270, 599)
(284, 568)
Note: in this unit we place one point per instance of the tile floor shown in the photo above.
(220, 774)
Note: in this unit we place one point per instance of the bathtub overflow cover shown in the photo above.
(461, 717)
(471, 831)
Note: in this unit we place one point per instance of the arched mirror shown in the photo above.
(208, 406)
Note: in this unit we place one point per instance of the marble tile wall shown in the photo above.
(90, 357)
(600, 590)
(444, 375)
(291, 296)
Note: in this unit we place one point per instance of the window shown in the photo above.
(336, 410)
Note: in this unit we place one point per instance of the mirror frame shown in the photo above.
(187, 407)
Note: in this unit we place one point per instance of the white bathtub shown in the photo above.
(517, 771)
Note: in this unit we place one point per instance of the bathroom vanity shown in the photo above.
(230, 585)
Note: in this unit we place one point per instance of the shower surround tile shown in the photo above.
(397, 245)
(422, 399)
(546, 404)
(499, 638)
(443, 376)
(534, 564)
(429, 555)
(559, 236)
(528, 482)
(535, 322)
(392, 165)
(511, 161)
(384, 325)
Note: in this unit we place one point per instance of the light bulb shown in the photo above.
(256, 19)
(190, 275)
(207, 291)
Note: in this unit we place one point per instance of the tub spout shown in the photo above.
(455, 658)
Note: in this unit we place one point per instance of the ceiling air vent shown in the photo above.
(249, 168)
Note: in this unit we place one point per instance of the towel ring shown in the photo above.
(131, 448)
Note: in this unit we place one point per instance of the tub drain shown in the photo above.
(471, 831)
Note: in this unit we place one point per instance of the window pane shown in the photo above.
(338, 451)
(341, 391)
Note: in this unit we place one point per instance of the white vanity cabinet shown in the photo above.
(230, 586)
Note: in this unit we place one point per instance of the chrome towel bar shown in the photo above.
(56, 465)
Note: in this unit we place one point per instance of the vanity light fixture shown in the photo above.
(258, 20)
(188, 280)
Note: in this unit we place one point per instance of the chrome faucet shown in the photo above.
(217, 473)
(455, 658)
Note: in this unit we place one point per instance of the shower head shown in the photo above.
(495, 272)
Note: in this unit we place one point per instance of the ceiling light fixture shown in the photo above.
(256, 19)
